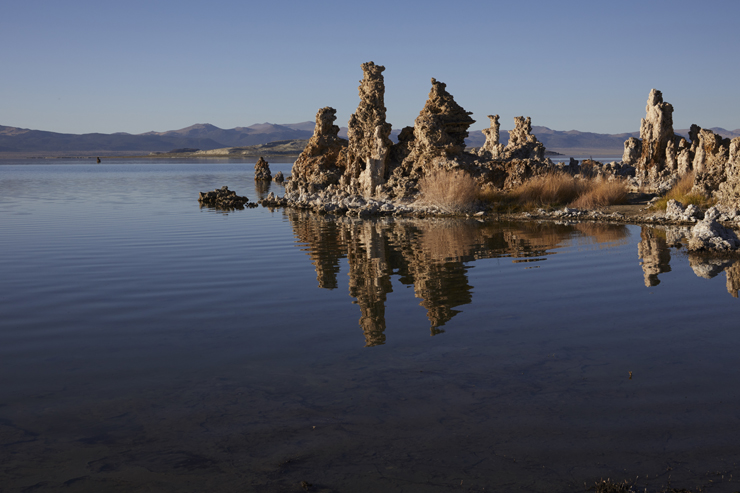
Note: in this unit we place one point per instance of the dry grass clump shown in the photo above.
(451, 191)
(556, 190)
(681, 192)
(552, 188)
(601, 193)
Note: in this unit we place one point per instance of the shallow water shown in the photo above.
(148, 344)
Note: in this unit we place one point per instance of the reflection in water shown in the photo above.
(262, 187)
(428, 254)
(654, 251)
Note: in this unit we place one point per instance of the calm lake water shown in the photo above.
(148, 344)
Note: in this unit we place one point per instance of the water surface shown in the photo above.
(148, 344)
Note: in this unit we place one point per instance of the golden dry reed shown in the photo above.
(451, 191)
(555, 189)
(457, 192)
(681, 192)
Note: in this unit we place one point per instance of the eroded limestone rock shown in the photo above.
(656, 131)
(522, 143)
(442, 125)
(492, 148)
(711, 157)
(632, 151)
(729, 191)
(368, 134)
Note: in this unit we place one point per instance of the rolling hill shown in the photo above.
(19, 141)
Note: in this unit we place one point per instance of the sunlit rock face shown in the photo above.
(442, 125)
(660, 157)
(436, 141)
(711, 158)
(323, 161)
(708, 235)
(632, 151)
(656, 131)
(522, 144)
(368, 164)
(729, 191)
(492, 148)
(369, 135)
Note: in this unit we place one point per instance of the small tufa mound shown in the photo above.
(223, 199)
(278, 178)
(262, 170)
(709, 236)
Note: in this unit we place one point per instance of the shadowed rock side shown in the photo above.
(429, 255)
(262, 170)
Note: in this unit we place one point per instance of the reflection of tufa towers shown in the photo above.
(428, 254)
(654, 253)
(369, 277)
(733, 279)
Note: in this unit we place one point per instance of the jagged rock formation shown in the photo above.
(278, 178)
(729, 191)
(442, 125)
(711, 155)
(492, 148)
(222, 199)
(656, 131)
(632, 151)
(370, 166)
(660, 157)
(368, 134)
(262, 170)
(522, 144)
(323, 161)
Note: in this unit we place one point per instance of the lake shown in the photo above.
(149, 344)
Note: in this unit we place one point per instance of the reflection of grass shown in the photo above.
(681, 192)
(451, 191)
(558, 189)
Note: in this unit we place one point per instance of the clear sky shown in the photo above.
(135, 66)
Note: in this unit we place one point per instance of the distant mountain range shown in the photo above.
(19, 141)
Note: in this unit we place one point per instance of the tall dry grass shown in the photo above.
(552, 188)
(600, 194)
(681, 192)
(559, 189)
(451, 191)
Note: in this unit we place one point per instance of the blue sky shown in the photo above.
(136, 66)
